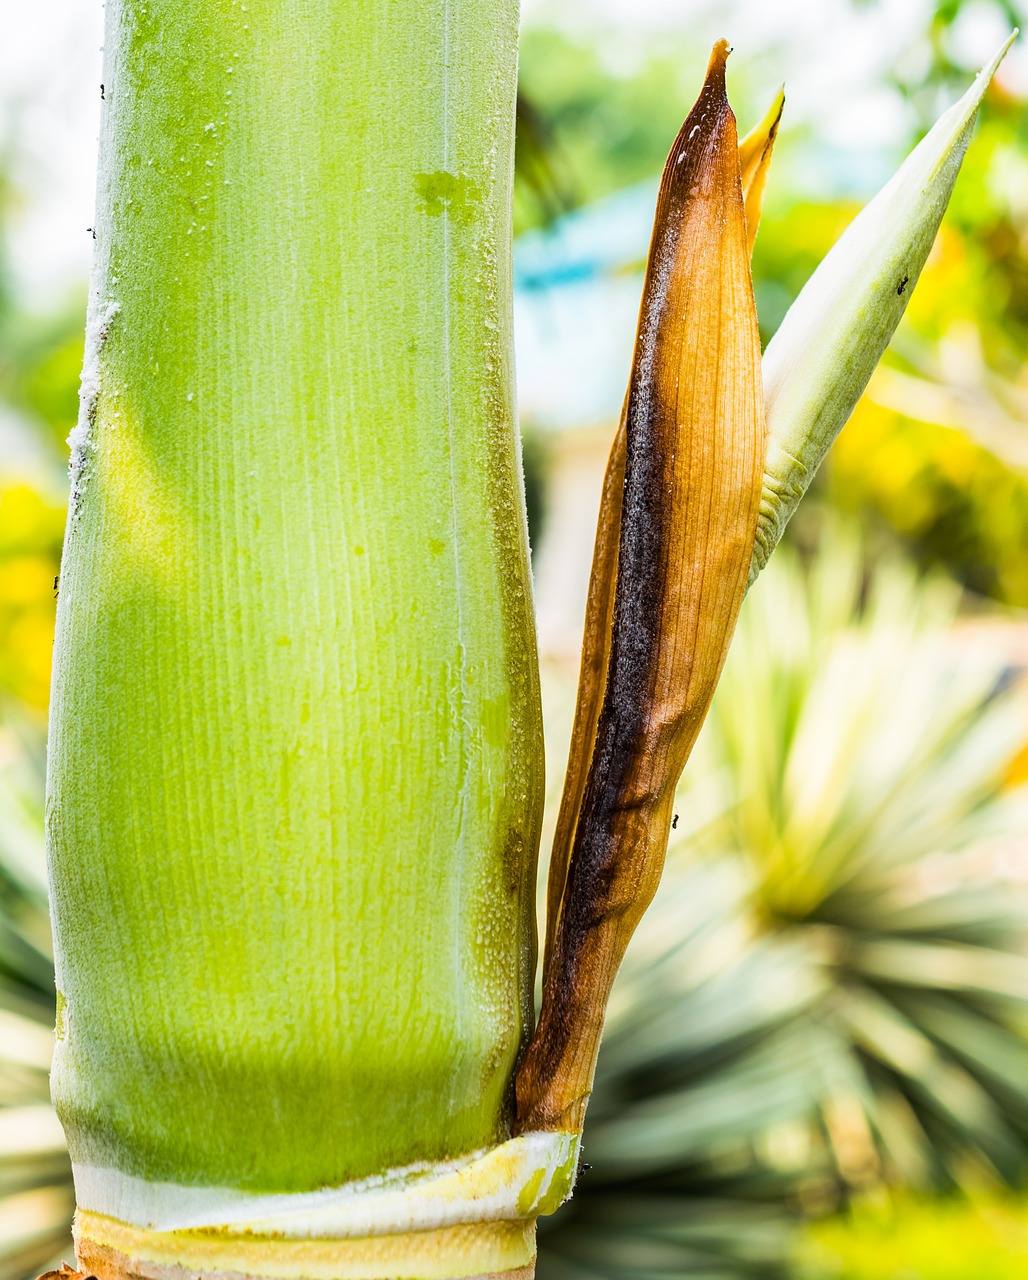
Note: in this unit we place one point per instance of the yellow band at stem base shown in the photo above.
(112, 1250)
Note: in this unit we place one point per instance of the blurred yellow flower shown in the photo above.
(31, 529)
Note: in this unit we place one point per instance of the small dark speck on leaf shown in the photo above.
(902, 284)
(674, 822)
(57, 584)
(583, 1167)
(91, 232)
(101, 93)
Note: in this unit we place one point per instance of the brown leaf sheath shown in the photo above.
(754, 160)
(694, 429)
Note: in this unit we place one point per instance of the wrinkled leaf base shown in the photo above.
(467, 1220)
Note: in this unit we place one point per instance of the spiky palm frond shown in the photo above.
(873, 746)
(831, 989)
(36, 1200)
(710, 1049)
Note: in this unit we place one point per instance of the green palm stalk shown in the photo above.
(295, 756)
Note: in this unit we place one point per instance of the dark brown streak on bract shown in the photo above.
(599, 612)
(754, 158)
(694, 456)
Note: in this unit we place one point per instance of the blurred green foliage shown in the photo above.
(40, 352)
(36, 1199)
(600, 130)
(40, 363)
(938, 450)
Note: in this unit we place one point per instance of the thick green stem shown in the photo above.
(296, 754)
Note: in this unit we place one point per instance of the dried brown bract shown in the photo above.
(673, 549)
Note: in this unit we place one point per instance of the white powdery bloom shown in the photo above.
(80, 440)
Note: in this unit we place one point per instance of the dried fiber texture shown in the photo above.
(599, 613)
(683, 526)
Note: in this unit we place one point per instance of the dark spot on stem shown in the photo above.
(674, 822)
(902, 284)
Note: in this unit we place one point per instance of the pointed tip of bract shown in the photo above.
(761, 137)
(713, 83)
(713, 93)
(977, 90)
(710, 106)
(718, 58)
(754, 161)
(777, 106)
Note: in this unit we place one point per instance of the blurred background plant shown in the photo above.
(824, 1019)
(830, 998)
(36, 1200)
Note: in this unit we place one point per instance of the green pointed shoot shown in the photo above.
(819, 362)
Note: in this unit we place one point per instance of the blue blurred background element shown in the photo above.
(817, 1058)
